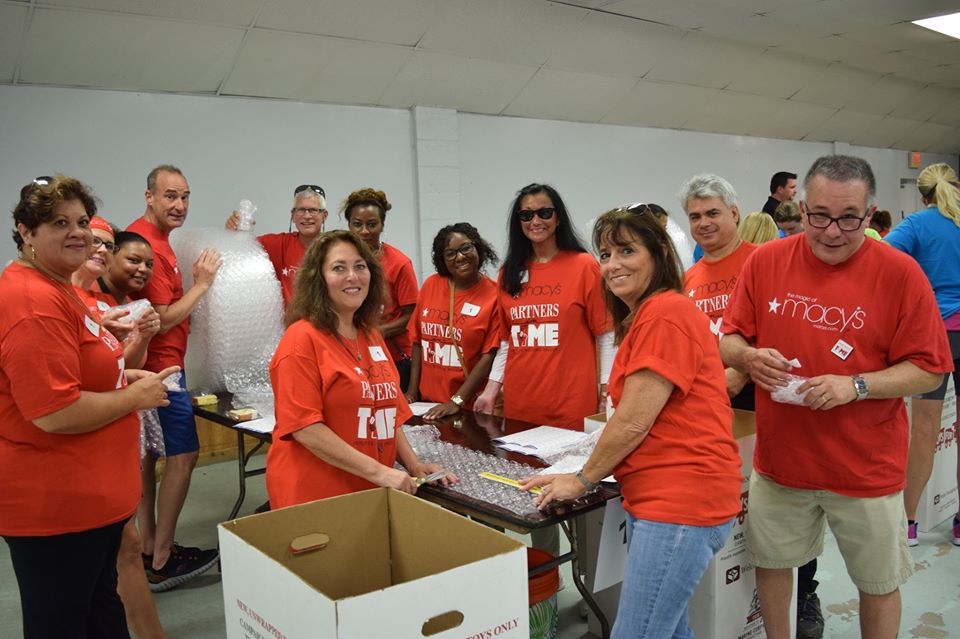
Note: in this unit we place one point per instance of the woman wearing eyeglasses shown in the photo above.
(286, 250)
(366, 214)
(552, 318)
(69, 444)
(455, 328)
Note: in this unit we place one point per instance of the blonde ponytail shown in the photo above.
(938, 183)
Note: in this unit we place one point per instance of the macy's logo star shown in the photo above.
(692, 291)
(774, 305)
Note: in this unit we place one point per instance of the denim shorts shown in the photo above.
(179, 426)
(786, 526)
(664, 565)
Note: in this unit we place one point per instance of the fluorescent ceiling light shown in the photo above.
(947, 25)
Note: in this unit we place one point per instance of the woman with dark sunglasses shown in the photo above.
(455, 328)
(552, 316)
(286, 250)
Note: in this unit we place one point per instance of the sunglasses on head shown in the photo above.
(309, 187)
(43, 180)
(543, 214)
(641, 208)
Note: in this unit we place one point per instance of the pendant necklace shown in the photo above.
(356, 343)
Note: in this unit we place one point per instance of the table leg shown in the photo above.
(570, 529)
(242, 467)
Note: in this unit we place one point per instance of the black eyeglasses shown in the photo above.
(302, 210)
(309, 187)
(543, 214)
(465, 249)
(844, 222)
(110, 246)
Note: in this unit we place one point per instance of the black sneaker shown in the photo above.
(809, 617)
(147, 561)
(184, 564)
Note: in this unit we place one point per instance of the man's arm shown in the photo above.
(900, 380)
(204, 271)
(766, 366)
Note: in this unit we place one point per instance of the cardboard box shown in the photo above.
(592, 423)
(394, 566)
(939, 499)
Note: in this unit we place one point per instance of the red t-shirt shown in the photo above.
(710, 284)
(551, 328)
(318, 379)
(401, 290)
(286, 253)
(97, 302)
(878, 305)
(50, 350)
(690, 451)
(163, 289)
(476, 328)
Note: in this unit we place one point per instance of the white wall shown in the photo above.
(233, 148)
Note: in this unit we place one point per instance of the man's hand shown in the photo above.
(767, 367)
(206, 267)
(828, 391)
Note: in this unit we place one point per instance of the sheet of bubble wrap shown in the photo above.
(467, 464)
(237, 325)
(682, 242)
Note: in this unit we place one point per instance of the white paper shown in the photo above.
(420, 408)
(612, 553)
(542, 441)
(263, 424)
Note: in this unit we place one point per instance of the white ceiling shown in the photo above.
(829, 70)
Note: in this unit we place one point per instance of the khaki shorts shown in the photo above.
(785, 528)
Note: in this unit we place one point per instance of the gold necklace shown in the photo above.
(66, 289)
(356, 345)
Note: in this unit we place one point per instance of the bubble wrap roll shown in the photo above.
(237, 325)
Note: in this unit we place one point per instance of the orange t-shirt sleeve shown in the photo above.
(405, 286)
(299, 394)
(161, 286)
(492, 337)
(42, 352)
(740, 315)
(665, 348)
(598, 319)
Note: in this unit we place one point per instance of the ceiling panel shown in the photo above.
(948, 144)
(83, 49)
(775, 74)
(389, 21)
(440, 80)
(884, 96)
(564, 95)
(844, 126)
(729, 112)
(13, 20)
(513, 31)
(660, 104)
(924, 137)
(685, 14)
(887, 132)
(610, 45)
(226, 12)
(791, 120)
(949, 114)
(811, 21)
(835, 86)
(703, 61)
(927, 103)
(314, 68)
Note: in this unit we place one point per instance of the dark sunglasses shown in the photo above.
(543, 214)
(309, 187)
(640, 208)
(43, 180)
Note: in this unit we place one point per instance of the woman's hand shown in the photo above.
(389, 477)
(149, 391)
(149, 324)
(554, 488)
(425, 470)
(441, 410)
(115, 322)
(484, 403)
(412, 396)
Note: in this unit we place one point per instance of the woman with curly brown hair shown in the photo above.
(366, 214)
(332, 343)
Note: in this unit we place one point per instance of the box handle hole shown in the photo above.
(442, 623)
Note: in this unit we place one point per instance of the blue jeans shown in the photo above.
(664, 565)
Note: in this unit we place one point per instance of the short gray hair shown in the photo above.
(164, 168)
(704, 186)
(309, 193)
(843, 168)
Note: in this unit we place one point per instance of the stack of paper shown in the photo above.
(543, 441)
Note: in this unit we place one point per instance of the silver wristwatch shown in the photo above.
(860, 385)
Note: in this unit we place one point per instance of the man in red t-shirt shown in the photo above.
(832, 448)
(169, 564)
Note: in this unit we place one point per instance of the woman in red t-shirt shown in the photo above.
(337, 397)
(455, 330)
(669, 443)
(69, 462)
(366, 213)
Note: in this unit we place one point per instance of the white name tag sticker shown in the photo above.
(841, 349)
(92, 326)
(524, 277)
(469, 309)
(377, 354)
(103, 306)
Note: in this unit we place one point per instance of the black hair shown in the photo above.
(780, 179)
(484, 251)
(519, 248)
(129, 237)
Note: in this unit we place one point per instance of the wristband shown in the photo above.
(589, 485)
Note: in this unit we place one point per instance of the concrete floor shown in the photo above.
(195, 610)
